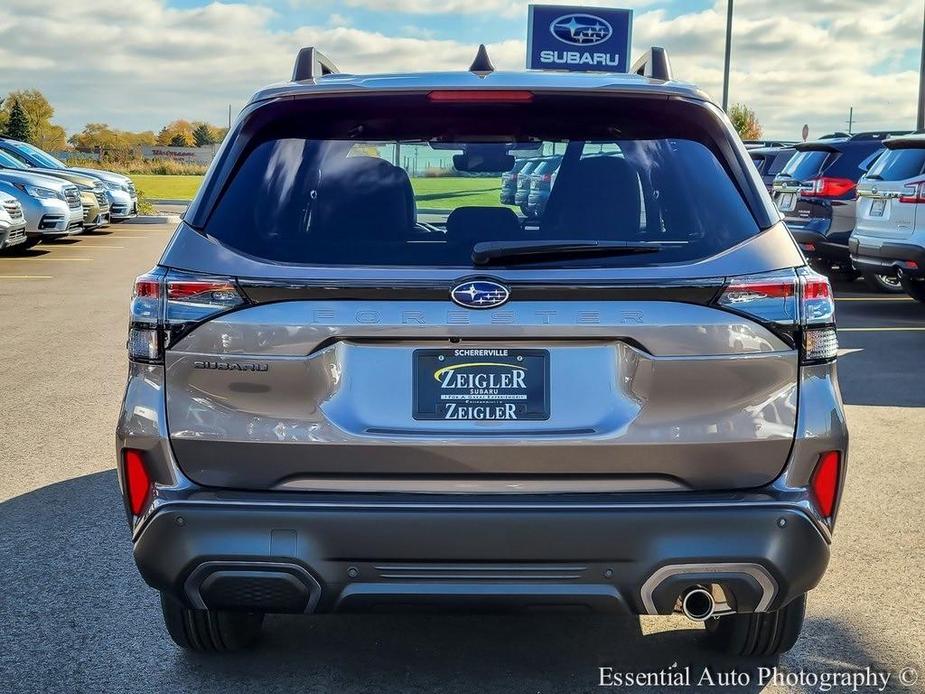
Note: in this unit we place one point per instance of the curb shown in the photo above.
(154, 219)
(166, 201)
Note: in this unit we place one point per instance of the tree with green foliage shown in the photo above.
(18, 126)
(745, 121)
(202, 135)
(39, 112)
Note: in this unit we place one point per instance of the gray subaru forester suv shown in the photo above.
(354, 388)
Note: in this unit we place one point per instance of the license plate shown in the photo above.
(481, 384)
(877, 207)
(786, 202)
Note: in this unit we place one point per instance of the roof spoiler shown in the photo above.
(654, 64)
(311, 64)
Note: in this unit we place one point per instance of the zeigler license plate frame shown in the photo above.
(481, 384)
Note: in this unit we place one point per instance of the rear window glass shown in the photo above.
(898, 164)
(807, 164)
(779, 162)
(759, 161)
(430, 200)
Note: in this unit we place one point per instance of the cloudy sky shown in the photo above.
(137, 64)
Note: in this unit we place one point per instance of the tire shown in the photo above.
(758, 634)
(209, 631)
(882, 283)
(914, 288)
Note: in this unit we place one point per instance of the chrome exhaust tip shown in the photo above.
(697, 604)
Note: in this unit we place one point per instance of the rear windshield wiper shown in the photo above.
(873, 177)
(494, 252)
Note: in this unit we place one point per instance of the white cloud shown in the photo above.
(138, 64)
(505, 8)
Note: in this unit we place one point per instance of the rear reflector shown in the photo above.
(137, 481)
(824, 483)
(481, 96)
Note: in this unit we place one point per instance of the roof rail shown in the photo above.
(653, 63)
(311, 64)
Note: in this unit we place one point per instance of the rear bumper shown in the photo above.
(888, 258)
(631, 558)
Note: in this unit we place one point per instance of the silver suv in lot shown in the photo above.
(51, 205)
(626, 404)
(889, 237)
(12, 222)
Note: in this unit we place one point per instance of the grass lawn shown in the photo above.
(434, 193)
(167, 187)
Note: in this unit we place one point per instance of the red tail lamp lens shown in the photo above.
(137, 481)
(825, 482)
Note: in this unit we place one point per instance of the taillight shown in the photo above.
(137, 480)
(770, 297)
(165, 304)
(825, 481)
(798, 304)
(825, 187)
(913, 194)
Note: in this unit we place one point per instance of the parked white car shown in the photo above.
(889, 235)
(12, 222)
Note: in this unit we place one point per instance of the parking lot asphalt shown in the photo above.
(76, 617)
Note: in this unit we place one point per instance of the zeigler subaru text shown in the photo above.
(341, 399)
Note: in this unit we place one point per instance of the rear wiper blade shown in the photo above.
(492, 252)
(873, 177)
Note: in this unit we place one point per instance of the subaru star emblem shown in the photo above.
(480, 294)
(580, 29)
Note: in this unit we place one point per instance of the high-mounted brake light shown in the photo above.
(824, 483)
(913, 194)
(825, 187)
(137, 480)
(480, 96)
(165, 304)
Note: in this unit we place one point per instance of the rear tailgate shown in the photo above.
(638, 394)
(885, 209)
(365, 356)
(802, 212)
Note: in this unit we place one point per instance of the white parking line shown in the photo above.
(874, 298)
(25, 277)
(84, 247)
(43, 259)
(915, 329)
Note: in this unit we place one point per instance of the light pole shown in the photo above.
(729, 55)
(920, 123)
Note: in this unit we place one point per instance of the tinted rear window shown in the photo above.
(779, 162)
(807, 164)
(403, 202)
(759, 161)
(899, 164)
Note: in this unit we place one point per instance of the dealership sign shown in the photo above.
(579, 38)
